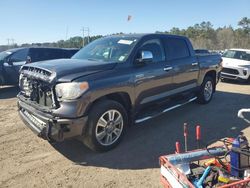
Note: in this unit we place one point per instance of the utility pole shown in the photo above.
(8, 42)
(85, 29)
(82, 36)
(13, 41)
(67, 30)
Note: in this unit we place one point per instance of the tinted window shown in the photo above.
(198, 51)
(176, 48)
(56, 54)
(45, 54)
(20, 55)
(155, 47)
(70, 53)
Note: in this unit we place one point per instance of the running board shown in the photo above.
(164, 110)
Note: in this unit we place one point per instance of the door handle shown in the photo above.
(194, 64)
(168, 68)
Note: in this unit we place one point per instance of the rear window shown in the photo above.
(176, 48)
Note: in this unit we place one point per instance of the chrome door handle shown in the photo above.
(194, 64)
(168, 68)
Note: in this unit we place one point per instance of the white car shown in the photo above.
(236, 64)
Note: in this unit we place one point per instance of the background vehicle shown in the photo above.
(12, 60)
(111, 83)
(236, 64)
(201, 51)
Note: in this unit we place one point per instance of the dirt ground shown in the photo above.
(28, 161)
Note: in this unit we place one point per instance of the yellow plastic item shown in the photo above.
(213, 162)
(223, 179)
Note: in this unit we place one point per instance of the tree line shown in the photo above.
(202, 35)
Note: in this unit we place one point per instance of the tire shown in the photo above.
(103, 133)
(248, 80)
(1, 81)
(206, 91)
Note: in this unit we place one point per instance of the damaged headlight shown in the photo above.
(69, 91)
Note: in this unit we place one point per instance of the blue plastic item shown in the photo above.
(198, 184)
(183, 158)
(238, 161)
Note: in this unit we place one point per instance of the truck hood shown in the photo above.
(69, 69)
(230, 62)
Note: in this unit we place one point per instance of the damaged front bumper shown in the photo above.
(48, 127)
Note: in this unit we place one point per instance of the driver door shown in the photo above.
(152, 79)
(13, 65)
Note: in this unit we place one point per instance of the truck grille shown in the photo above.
(38, 73)
(230, 71)
(36, 91)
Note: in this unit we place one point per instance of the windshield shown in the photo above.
(4, 55)
(235, 54)
(110, 49)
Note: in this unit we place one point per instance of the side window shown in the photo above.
(176, 48)
(57, 54)
(35, 54)
(42, 54)
(154, 46)
(20, 55)
(47, 54)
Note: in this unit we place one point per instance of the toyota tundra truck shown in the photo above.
(111, 83)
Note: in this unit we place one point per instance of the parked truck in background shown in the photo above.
(112, 83)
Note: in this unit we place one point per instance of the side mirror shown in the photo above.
(28, 59)
(145, 56)
(9, 61)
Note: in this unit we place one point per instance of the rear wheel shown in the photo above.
(205, 94)
(106, 125)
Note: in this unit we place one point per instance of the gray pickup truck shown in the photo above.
(112, 83)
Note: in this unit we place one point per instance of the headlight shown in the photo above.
(68, 91)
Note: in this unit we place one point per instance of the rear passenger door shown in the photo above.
(185, 66)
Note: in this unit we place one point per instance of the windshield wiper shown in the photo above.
(92, 59)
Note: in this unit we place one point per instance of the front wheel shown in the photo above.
(1, 81)
(206, 91)
(106, 125)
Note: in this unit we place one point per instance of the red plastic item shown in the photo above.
(177, 147)
(198, 132)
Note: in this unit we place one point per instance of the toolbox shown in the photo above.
(171, 177)
(224, 166)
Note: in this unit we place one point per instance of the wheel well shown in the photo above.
(120, 97)
(212, 74)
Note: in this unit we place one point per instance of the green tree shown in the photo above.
(245, 24)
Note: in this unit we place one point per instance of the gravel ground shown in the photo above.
(28, 161)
